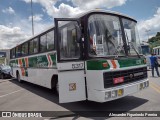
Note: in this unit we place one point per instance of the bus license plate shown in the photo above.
(118, 80)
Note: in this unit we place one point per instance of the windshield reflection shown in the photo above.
(132, 37)
(105, 36)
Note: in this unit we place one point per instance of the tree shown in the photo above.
(154, 41)
(158, 34)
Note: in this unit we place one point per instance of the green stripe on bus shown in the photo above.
(96, 65)
(53, 57)
(128, 62)
(37, 61)
(124, 62)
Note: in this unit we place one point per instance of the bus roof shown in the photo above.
(102, 11)
(156, 47)
(79, 16)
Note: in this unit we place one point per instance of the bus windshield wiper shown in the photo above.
(119, 48)
(131, 43)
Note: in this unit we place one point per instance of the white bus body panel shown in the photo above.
(129, 89)
(42, 76)
(37, 76)
(71, 82)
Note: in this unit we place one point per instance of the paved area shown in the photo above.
(25, 96)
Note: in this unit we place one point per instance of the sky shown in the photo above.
(15, 16)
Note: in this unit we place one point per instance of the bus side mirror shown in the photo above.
(79, 34)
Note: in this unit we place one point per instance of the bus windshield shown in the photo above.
(105, 36)
(132, 37)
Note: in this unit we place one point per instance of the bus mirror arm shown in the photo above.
(79, 34)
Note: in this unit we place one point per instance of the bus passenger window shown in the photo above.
(31, 47)
(50, 40)
(43, 43)
(25, 49)
(18, 51)
(35, 45)
(13, 53)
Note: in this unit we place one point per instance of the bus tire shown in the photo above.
(2, 76)
(57, 88)
(54, 84)
(18, 77)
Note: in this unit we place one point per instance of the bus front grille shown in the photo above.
(129, 76)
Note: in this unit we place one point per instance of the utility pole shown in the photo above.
(32, 19)
(147, 31)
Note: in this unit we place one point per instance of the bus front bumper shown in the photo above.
(113, 93)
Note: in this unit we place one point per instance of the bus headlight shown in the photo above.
(140, 86)
(147, 84)
(114, 94)
(107, 95)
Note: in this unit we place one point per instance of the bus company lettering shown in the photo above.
(43, 64)
(78, 66)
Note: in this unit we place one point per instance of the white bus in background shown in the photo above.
(145, 49)
(93, 56)
(146, 52)
(156, 51)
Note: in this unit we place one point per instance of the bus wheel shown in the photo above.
(18, 77)
(57, 87)
(54, 84)
(2, 76)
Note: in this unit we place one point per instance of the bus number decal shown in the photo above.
(77, 66)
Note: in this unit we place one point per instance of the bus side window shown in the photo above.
(31, 47)
(43, 43)
(13, 53)
(47, 41)
(156, 51)
(50, 40)
(25, 49)
(35, 45)
(18, 51)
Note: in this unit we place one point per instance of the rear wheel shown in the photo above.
(18, 77)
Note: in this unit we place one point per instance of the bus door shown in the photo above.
(70, 66)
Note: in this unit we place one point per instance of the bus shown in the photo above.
(3, 58)
(93, 56)
(145, 49)
(156, 51)
(146, 52)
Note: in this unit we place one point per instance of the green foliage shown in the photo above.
(154, 41)
(158, 34)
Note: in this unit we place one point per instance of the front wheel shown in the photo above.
(57, 87)
(2, 76)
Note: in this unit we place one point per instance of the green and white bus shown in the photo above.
(156, 51)
(94, 56)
